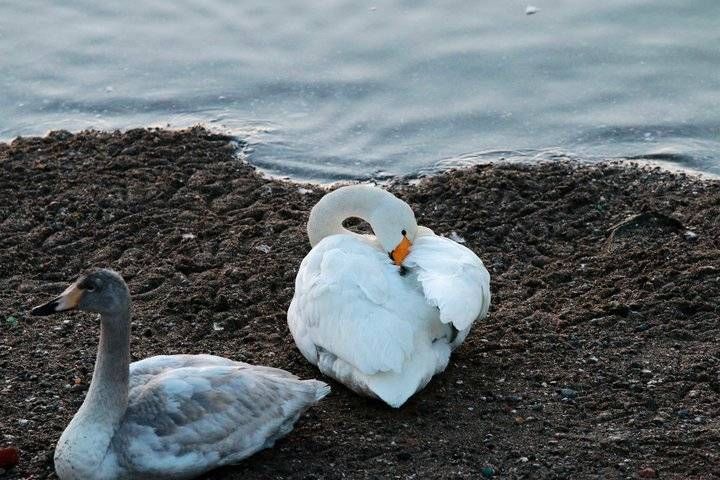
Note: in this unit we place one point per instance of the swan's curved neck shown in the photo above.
(327, 216)
(86, 441)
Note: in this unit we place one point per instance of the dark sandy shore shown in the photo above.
(600, 357)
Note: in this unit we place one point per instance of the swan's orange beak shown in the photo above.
(401, 251)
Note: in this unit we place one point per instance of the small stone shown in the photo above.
(23, 421)
(263, 248)
(9, 457)
(524, 459)
(404, 456)
(568, 393)
(683, 413)
(519, 420)
(658, 420)
(540, 261)
(487, 472)
(647, 472)
(531, 10)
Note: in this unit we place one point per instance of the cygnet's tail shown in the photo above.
(321, 388)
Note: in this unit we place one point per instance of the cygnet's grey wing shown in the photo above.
(144, 370)
(189, 420)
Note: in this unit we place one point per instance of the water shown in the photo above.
(346, 89)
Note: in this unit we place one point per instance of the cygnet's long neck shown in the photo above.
(108, 393)
(84, 446)
(327, 216)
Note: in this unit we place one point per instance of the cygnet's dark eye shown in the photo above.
(404, 233)
(87, 285)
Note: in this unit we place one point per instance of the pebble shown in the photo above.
(683, 413)
(487, 472)
(647, 472)
(263, 248)
(9, 457)
(531, 10)
(404, 456)
(568, 393)
(540, 261)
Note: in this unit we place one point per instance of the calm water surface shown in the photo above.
(345, 89)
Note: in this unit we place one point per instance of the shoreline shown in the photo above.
(599, 357)
(662, 161)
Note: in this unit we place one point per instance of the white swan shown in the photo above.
(170, 416)
(382, 313)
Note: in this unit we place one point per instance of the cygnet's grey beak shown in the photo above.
(68, 300)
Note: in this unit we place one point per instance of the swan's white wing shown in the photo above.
(341, 293)
(453, 278)
(188, 420)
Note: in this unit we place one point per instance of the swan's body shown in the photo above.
(170, 416)
(361, 321)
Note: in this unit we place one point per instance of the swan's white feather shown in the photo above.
(453, 279)
(380, 333)
(346, 292)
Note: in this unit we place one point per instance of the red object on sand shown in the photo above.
(9, 457)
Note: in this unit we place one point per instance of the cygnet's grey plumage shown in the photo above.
(169, 416)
